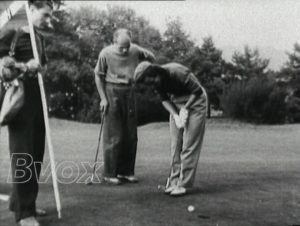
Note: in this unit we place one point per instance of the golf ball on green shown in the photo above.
(191, 208)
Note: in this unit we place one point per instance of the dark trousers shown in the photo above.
(27, 145)
(119, 131)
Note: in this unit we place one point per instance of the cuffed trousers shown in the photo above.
(186, 143)
(119, 131)
(27, 145)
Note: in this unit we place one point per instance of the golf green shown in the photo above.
(248, 175)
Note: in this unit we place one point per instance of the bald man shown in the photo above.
(113, 76)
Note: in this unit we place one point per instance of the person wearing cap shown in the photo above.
(26, 130)
(185, 99)
(113, 76)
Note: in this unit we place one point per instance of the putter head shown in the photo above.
(161, 187)
(90, 182)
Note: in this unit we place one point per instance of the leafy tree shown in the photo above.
(252, 93)
(177, 45)
(290, 72)
(73, 49)
(249, 64)
(207, 64)
(289, 77)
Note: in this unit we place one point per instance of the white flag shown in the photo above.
(12, 14)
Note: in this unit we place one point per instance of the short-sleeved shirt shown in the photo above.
(23, 49)
(116, 68)
(180, 82)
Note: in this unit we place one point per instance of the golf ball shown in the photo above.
(191, 208)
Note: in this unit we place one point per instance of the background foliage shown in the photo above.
(243, 88)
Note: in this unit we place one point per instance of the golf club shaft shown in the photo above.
(178, 144)
(98, 146)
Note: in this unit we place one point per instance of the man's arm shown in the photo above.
(9, 68)
(191, 100)
(172, 109)
(101, 90)
(100, 71)
(146, 55)
(194, 86)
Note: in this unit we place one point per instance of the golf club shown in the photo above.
(164, 187)
(90, 182)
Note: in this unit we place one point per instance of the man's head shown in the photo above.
(122, 39)
(41, 13)
(148, 74)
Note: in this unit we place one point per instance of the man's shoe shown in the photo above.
(169, 189)
(40, 213)
(131, 179)
(112, 180)
(178, 191)
(29, 221)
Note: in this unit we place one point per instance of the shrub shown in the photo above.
(256, 100)
(293, 106)
(274, 111)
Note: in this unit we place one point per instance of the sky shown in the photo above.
(270, 25)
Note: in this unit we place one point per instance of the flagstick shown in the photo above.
(46, 117)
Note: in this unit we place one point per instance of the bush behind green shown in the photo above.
(257, 100)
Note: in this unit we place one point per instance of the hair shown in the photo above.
(155, 70)
(40, 4)
(121, 31)
(159, 70)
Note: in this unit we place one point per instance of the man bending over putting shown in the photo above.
(185, 99)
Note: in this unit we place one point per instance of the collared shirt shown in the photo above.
(114, 67)
(180, 82)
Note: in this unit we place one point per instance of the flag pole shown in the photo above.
(46, 117)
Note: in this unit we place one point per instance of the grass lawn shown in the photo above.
(247, 175)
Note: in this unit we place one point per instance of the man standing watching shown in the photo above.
(114, 76)
(27, 129)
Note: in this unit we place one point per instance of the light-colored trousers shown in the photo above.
(186, 143)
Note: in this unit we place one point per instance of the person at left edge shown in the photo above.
(27, 129)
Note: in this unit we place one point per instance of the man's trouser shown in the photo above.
(27, 145)
(186, 144)
(119, 131)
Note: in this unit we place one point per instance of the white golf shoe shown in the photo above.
(178, 191)
(131, 178)
(169, 189)
(40, 213)
(29, 221)
(112, 180)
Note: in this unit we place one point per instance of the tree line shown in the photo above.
(244, 88)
